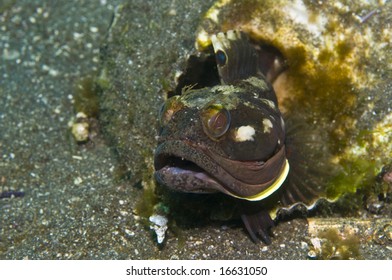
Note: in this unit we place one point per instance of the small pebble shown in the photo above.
(312, 254)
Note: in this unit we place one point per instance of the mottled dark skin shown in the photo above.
(184, 137)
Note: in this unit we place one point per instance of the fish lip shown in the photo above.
(200, 171)
(201, 181)
(178, 166)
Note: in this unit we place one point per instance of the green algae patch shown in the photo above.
(355, 175)
(339, 248)
(146, 202)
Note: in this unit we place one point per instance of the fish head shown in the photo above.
(226, 138)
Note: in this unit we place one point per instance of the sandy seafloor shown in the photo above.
(73, 206)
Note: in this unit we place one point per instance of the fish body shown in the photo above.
(227, 138)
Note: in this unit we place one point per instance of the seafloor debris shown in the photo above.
(158, 224)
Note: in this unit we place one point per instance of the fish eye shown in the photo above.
(220, 57)
(216, 121)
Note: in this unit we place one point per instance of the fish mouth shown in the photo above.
(190, 167)
(182, 167)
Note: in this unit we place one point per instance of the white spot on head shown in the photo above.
(267, 126)
(244, 133)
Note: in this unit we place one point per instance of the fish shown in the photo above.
(230, 137)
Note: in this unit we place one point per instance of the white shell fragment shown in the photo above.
(158, 223)
(80, 127)
(80, 131)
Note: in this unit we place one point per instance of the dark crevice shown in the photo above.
(200, 72)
